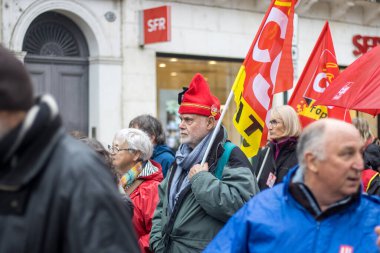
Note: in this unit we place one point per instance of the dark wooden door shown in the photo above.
(68, 83)
(57, 59)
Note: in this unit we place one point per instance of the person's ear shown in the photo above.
(211, 122)
(311, 162)
(136, 156)
(152, 139)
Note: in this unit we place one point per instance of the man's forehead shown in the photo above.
(342, 131)
(350, 144)
(344, 138)
(193, 116)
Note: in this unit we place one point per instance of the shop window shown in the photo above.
(175, 72)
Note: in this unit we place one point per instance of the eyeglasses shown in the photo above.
(114, 149)
(274, 122)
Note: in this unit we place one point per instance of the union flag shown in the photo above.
(267, 69)
(320, 70)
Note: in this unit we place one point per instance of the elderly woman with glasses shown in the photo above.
(130, 151)
(273, 163)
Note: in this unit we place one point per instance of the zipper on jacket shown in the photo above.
(169, 225)
(316, 236)
(178, 203)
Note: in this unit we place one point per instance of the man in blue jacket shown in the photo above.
(318, 208)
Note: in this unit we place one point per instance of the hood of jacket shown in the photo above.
(372, 157)
(160, 149)
(27, 147)
(151, 171)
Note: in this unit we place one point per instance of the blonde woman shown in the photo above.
(274, 162)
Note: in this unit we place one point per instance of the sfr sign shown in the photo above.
(364, 43)
(155, 25)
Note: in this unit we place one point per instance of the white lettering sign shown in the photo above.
(156, 24)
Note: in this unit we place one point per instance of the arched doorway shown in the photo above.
(57, 59)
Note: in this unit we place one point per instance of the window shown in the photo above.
(175, 72)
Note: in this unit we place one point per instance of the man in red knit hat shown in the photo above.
(196, 201)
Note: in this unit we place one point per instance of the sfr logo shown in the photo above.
(156, 24)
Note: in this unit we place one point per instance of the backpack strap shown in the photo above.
(228, 147)
(133, 186)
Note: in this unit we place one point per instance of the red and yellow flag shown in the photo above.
(267, 69)
(319, 72)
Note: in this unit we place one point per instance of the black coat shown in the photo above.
(372, 157)
(372, 161)
(286, 160)
(56, 195)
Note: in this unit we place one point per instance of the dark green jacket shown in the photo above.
(204, 206)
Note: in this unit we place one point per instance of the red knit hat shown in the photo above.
(199, 100)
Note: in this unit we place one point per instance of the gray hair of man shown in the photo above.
(136, 139)
(312, 140)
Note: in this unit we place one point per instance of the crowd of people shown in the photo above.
(307, 190)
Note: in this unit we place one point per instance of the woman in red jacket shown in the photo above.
(130, 151)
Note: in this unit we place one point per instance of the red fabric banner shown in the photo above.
(267, 69)
(320, 70)
(357, 87)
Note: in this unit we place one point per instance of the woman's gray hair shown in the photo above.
(290, 118)
(312, 140)
(136, 139)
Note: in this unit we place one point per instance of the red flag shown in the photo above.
(267, 69)
(357, 87)
(319, 72)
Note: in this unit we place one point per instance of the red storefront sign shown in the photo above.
(364, 43)
(156, 26)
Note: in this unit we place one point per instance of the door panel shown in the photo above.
(57, 58)
(41, 76)
(68, 83)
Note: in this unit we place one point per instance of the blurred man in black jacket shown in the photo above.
(55, 193)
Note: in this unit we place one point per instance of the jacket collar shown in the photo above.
(294, 187)
(160, 149)
(289, 144)
(31, 144)
(217, 149)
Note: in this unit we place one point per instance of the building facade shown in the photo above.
(88, 53)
